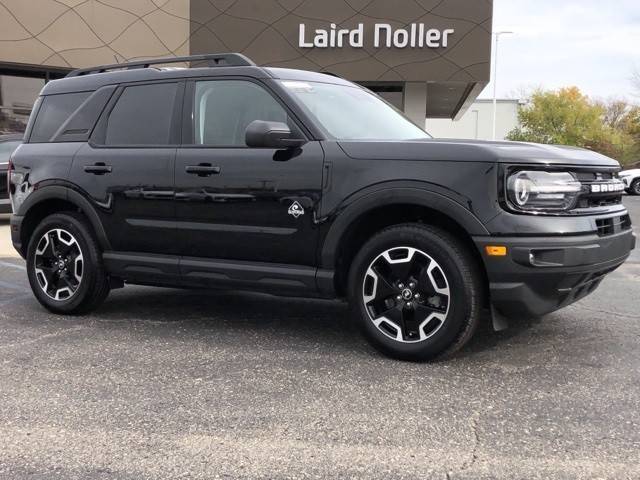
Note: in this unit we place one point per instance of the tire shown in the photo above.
(83, 284)
(437, 312)
(634, 189)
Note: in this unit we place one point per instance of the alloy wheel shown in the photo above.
(59, 264)
(406, 294)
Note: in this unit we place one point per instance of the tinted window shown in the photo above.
(55, 110)
(351, 113)
(224, 109)
(142, 115)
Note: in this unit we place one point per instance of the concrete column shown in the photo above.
(415, 102)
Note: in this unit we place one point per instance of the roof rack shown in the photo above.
(212, 60)
(331, 74)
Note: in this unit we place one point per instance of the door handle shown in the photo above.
(98, 168)
(202, 170)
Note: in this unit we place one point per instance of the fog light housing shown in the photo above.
(540, 191)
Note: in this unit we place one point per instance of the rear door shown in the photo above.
(127, 167)
(254, 204)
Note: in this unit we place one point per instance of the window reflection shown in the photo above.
(17, 96)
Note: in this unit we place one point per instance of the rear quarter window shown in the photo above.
(54, 111)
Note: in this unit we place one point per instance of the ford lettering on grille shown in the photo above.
(610, 187)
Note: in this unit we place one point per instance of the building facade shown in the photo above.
(477, 122)
(430, 58)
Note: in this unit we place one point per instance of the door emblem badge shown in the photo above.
(296, 210)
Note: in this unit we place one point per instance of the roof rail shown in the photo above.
(213, 60)
(331, 74)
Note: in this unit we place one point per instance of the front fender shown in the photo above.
(386, 195)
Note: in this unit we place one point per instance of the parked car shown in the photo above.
(299, 183)
(631, 179)
(8, 143)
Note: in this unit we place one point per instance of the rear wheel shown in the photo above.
(634, 189)
(415, 292)
(64, 265)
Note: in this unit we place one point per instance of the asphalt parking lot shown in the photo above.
(172, 384)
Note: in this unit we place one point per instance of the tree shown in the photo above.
(615, 112)
(559, 117)
(631, 128)
(568, 117)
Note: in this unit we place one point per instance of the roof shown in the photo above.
(93, 81)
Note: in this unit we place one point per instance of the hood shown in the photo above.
(632, 172)
(476, 151)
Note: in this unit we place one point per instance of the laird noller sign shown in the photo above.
(417, 35)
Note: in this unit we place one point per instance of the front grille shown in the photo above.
(612, 225)
(586, 177)
(595, 190)
(592, 201)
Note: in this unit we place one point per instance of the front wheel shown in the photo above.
(415, 292)
(64, 265)
(634, 189)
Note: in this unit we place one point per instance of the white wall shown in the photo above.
(415, 101)
(477, 122)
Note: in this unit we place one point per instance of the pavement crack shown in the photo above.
(473, 457)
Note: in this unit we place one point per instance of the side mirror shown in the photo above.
(261, 134)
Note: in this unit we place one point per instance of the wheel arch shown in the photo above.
(54, 199)
(372, 212)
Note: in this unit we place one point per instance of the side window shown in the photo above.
(142, 115)
(224, 108)
(54, 111)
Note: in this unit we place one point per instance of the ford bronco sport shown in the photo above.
(297, 183)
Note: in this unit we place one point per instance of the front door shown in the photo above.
(238, 203)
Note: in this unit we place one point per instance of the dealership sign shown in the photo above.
(417, 35)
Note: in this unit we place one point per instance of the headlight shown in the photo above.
(533, 191)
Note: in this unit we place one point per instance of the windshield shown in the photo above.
(352, 113)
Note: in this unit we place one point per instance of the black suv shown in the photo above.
(298, 183)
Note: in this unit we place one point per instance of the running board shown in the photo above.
(194, 272)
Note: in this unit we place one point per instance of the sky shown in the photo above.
(592, 44)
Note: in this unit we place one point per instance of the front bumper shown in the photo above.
(542, 274)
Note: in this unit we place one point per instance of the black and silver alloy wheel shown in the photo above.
(406, 294)
(65, 266)
(635, 187)
(59, 264)
(415, 291)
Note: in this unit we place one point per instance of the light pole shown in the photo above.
(495, 80)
